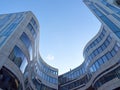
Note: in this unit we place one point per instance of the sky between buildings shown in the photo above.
(65, 28)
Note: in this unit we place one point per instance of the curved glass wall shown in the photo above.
(46, 73)
(95, 42)
(47, 68)
(106, 57)
(10, 22)
(71, 75)
(98, 52)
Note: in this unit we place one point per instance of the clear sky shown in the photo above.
(65, 28)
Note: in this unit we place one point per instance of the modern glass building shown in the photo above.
(22, 68)
(101, 67)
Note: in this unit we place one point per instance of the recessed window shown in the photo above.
(18, 57)
(27, 43)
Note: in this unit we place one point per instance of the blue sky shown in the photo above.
(65, 28)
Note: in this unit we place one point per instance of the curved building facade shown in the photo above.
(101, 67)
(22, 68)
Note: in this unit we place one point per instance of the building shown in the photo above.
(101, 67)
(22, 68)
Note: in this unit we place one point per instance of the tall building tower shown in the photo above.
(101, 67)
(21, 67)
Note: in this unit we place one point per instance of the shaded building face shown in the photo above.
(8, 81)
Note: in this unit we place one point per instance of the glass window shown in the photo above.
(18, 58)
(98, 39)
(27, 43)
(118, 44)
(34, 23)
(99, 49)
(97, 65)
(30, 27)
(107, 43)
(100, 60)
(91, 69)
(104, 58)
(94, 68)
(116, 48)
(103, 47)
(106, 12)
(116, 10)
(110, 24)
(109, 38)
(95, 42)
(98, 12)
(104, 32)
(108, 55)
(113, 52)
(96, 52)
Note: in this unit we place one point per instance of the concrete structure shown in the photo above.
(101, 67)
(22, 68)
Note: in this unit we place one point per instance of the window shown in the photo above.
(103, 47)
(97, 65)
(100, 61)
(96, 52)
(108, 55)
(104, 58)
(34, 23)
(107, 43)
(18, 58)
(27, 43)
(109, 38)
(110, 24)
(99, 49)
(94, 68)
(30, 27)
(116, 48)
(113, 52)
(118, 34)
(106, 12)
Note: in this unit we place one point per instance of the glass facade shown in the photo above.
(44, 72)
(46, 68)
(106, 20)
(9, 25)
(106, 78)
(27, 43)
(18, 57)
(32, 30)
(95, 42)
(105, 58)
(74, 74)
(39, 85)
(99, 52)
(78, 83)
(33, 22)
